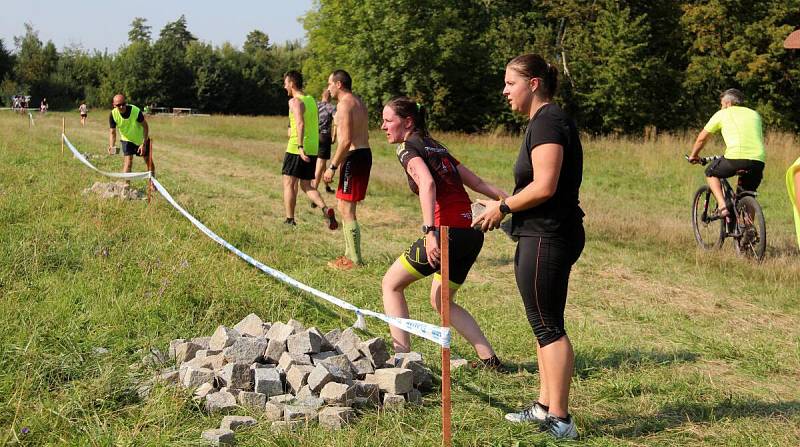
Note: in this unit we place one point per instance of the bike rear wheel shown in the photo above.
(709, 230)
(752, 239)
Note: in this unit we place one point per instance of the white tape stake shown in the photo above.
(31, 118)
(437, 334)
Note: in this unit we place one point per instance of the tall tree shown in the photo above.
(140, 31)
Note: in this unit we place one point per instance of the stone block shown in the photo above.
(305, 342)
(304, 392)
(393, 401)
(246, 350)
(321, 356)
(173, 344)
(222, 338)
(400, 359)
(324, 373)
(273, 411)
(219, 436)
(335, 418)
(348, 344)
(185, 351)
(235, 422)
(282, 398)
(288, 359)
(220, 401)
(363, 403)
(311, 401)
(299, 413)
(414, 397)
(169, 376)
(202, 362)
(204, 390)
(337, 393)
(203, 342)
(296, 325)
(369, 391)
(458, 363)
(324, 344)
(375, 350)
(279, 331)
(194, 377)
(203, 353)
(249, 399)
(333, 336)
(393, 380)
(234, 391)
(217, 361)
(423, 377)
(261, 365)
(268, 381)
(297, 377)
(275, 349)
(251, 326)
(236, 375)
(362, 367)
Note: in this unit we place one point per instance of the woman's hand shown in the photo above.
(491, 217)
(432, 249)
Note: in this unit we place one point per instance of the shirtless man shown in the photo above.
(353, 158)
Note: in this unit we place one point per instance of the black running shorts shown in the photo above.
(465, 245)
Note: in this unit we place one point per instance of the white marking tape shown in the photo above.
(437, 334)
(31, 117)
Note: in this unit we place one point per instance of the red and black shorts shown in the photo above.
(465, 245)
(354, 175)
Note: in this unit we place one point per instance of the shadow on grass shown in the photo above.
(588, 363)
(674, 415)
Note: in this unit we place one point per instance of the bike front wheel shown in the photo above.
(751, 242)
(709, 230)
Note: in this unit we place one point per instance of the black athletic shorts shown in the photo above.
(130, 148)
(724, 168)
(465, 245)
(324, 152)
(294, 166)
(542, 265)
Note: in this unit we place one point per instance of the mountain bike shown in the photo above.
(745, 225)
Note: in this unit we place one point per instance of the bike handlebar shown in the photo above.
(703, 160)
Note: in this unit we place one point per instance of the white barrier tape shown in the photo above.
(437, 334)
(125, 175)
(31, 117)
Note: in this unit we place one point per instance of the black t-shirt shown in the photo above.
(452, 207)
(550, 125)
(125, 115)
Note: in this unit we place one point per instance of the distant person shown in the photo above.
(548, 220)
(354, 159)
(301, 151)
(327, 135)
(43, 106)
(744, 142)
(438, 179)
(84, 111)
(134, 132)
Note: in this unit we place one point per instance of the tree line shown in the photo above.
(624, 64)
(174, 70)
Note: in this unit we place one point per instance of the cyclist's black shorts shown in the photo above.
(465, 245)
(724, 168)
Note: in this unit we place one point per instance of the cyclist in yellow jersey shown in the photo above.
(744, 142)
(301, 152)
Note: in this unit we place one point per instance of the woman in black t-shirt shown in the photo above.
(438, 179)
(549, 223)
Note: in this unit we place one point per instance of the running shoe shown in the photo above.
(329, 190)
(492, 363)
(331, 216)
(561, 428)
(342, 263)
(290, 221)
(536, 413)
(313, 205)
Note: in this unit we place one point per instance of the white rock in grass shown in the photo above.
(222, 338)
(235, 422)
(337, 393)
(173, 344)
(279, 331)
(335, 418)
(393, 401)
(220, 401)
(296, 325)
(250, 325)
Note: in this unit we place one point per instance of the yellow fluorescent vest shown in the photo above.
(129, 129)
(310, 129)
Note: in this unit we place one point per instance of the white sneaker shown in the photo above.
(560, 429)
(536, 413)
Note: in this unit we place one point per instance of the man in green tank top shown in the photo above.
(744, 142)
(133, 132)
(300, 160)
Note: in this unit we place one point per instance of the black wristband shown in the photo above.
(333, 167)
(504, 208)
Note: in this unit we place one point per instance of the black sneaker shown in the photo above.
(329, 190)
(290, 221)
(492, 363)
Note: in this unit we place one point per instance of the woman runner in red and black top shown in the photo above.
(439, 179)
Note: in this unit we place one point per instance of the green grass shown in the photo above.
(674, 346)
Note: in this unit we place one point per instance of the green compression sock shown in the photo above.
(352, 238)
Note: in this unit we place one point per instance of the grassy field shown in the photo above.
(674, 346)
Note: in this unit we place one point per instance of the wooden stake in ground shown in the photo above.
(63, 132)
(149, 143)
(444, 262)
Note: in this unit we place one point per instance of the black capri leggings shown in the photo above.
(542, 265)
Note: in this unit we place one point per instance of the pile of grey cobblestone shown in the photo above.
(114, 190)
(293, 376)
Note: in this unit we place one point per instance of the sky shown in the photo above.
(104, 24)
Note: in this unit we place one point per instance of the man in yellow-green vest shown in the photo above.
(133, 132)
(300, 160)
